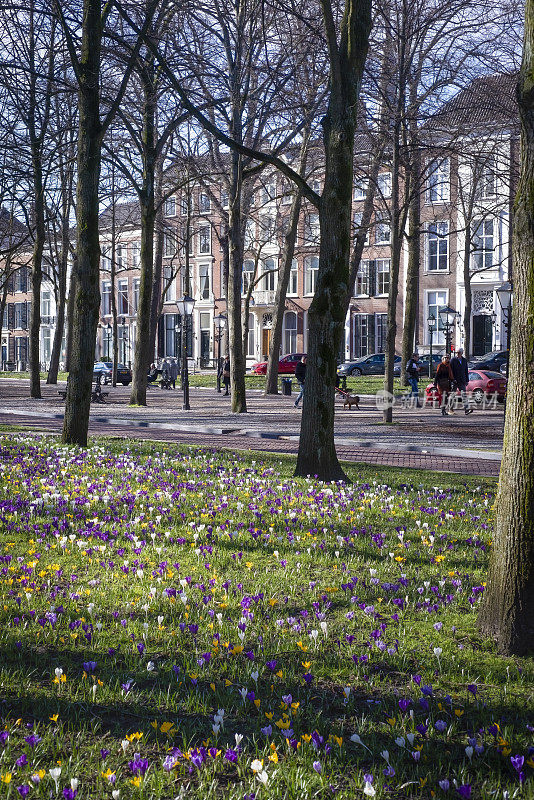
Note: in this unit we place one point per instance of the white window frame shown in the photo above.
(438, 337)
(380, 270)
(204, 240)
(204, 203)
(123, 298)
(437, 231)
(290, 334)
(382, 224)
(439, 180)
(170, 206)
(311, 270)
(483, 253)
(204, 281)
(363, 279)
(293, 285)
(384, 184)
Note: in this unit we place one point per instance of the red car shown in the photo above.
(286, 365)
(482, 384)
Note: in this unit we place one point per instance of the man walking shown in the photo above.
(460, 373)
(174, 372)
(300, 375)
(412, 372)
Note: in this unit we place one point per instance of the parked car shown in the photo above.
(483, 384)
(423, 364)
(366, 365)
(286, 365)
(105, 369)
(492, 361)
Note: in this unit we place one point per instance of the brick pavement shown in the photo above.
(382, 457)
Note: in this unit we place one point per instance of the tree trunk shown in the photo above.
(87, 299)
(507, 612)
(235, 270)
(271, 383)
(37, 274)
(317, 452)
(412, 273)
(142, 355)
(468, 300)
(70, 313)
(158, 261)
(396, 245)
(62, 292)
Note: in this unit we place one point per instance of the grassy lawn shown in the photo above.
(366, 384)
(181, 623)
(61, 376)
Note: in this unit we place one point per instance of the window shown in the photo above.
(122, 257)
(204, 281)
(286, 191)
(357, 219)
(311, 229)
(363, 279)
(248, 274)
(381, 331)
(250, 338)
(311, 268)
(384, 184)
(204, 203)
(266, 228)
(46, 305)
(106, 298)
(382, 228)
(136, 254)
(224, 198)
(107, 343)
(185, 204)
(135, 292)
(249, 234)
(438, 246)
(290, 332)
(293, 285)
(123, 298)
(106, 260)
(21, 280)
(360, 189)
(169, 282)
(19, 315)
(382, 275)
(435, 301)
(169, 246)
(483, 247)
(170, 207)
(21, 348)
(268, 192)
(485, 177)
(204, 239)
(269, 275)
(364, 334)
(316, 186)
(439, 181)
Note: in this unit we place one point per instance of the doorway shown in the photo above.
(265, 342)
(482, 334)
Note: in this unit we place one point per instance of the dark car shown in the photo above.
(105, 369)
(286, 365)
(423, 365)
(492, 361)
(366, 365)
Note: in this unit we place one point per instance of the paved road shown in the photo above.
(467, 445)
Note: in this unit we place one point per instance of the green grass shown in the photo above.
(366, 384)
(61, 376)
(372, 588)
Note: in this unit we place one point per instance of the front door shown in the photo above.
(204, 348)
(482, 334)
(265, 342)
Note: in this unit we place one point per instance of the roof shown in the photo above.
(126, 215)
(488, 102)
(12, 230)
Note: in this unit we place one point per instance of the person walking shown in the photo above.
(412, 372)
(300, 376)
(460, 372)
(443, 381)
(174, 372)
(226, 374)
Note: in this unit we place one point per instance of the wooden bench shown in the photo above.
(63, 393)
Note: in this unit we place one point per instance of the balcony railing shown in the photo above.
(264, 298)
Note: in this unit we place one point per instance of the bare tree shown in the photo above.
(507, 612)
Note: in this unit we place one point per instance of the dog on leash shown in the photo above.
(351, 400)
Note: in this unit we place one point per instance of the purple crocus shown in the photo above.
(317, 766)
(464, 791)
(139, 765)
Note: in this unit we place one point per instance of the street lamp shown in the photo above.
(431, 328)
(447, 317)
(185, 309)
(220, 322)
(504, 296)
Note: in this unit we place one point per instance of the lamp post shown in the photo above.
(504, 296)
(431, 328)
(447, 316)
(185, 309)
(220, 322)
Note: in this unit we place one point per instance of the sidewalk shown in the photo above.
(418, 437)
